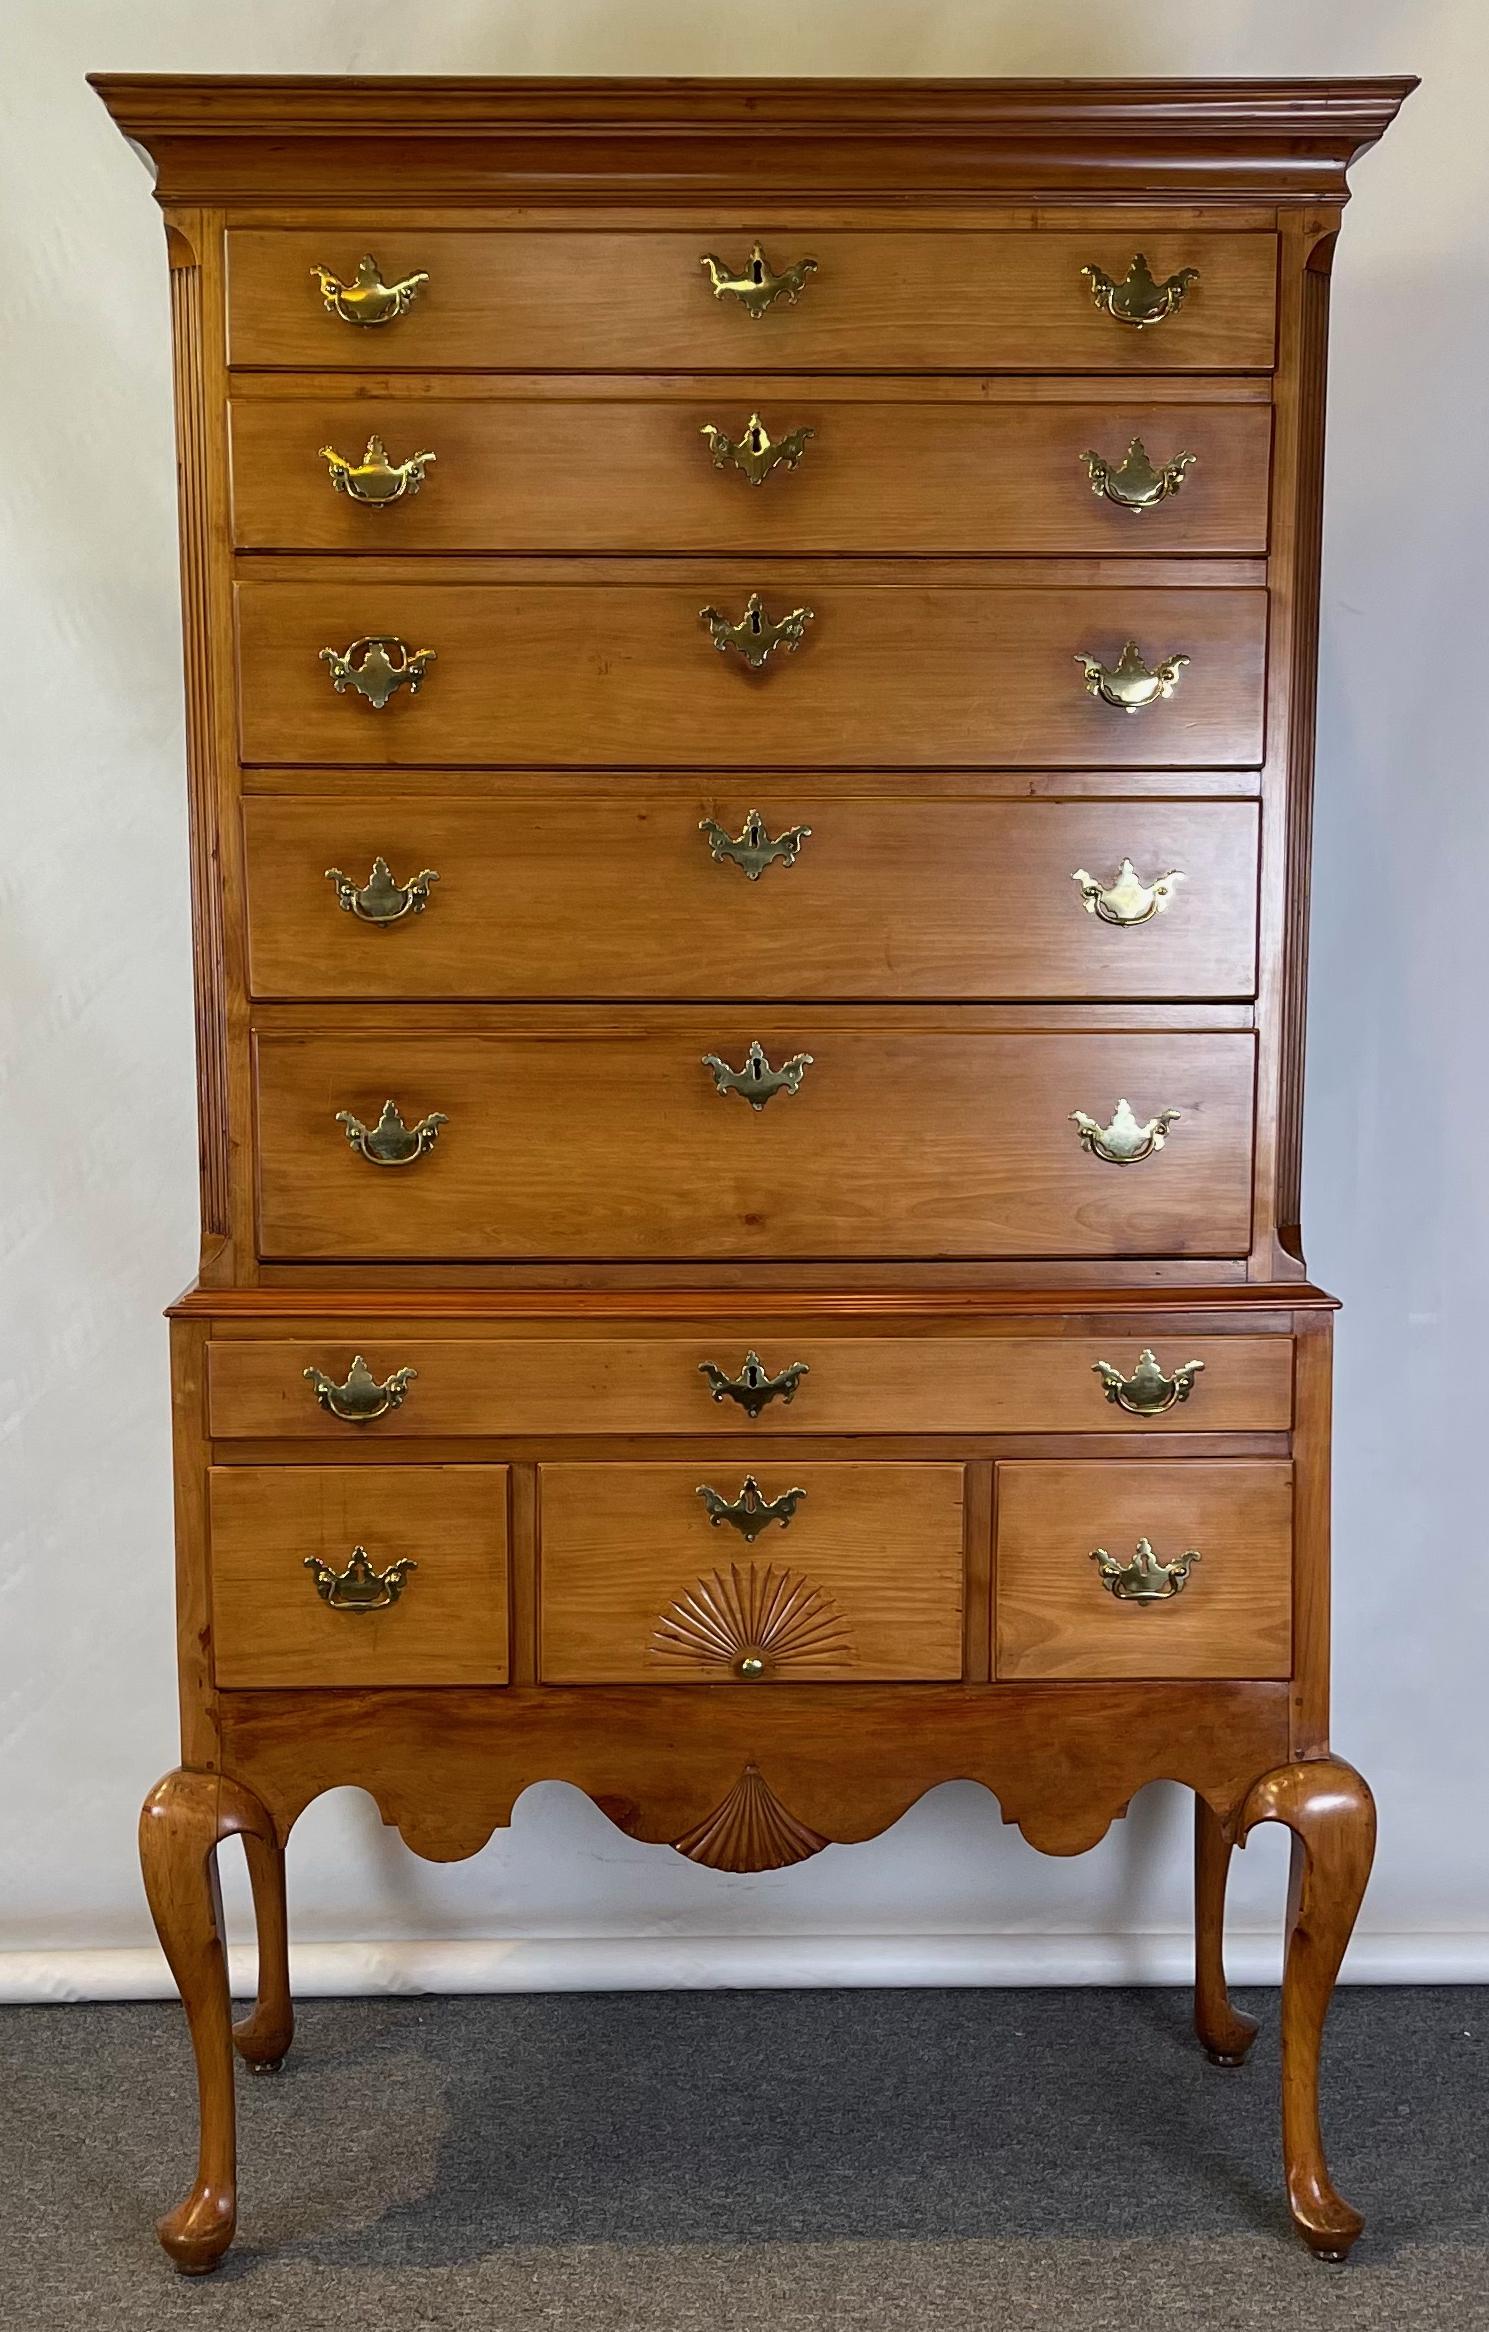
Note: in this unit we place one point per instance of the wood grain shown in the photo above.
(613, 1142)
(604, 894)
(898, 674)
(903, 301)
(271, 1627)
(1056, 1618)
(864, 1384)
(572, 472)
(868, 1570)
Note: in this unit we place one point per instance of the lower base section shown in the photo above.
(1323, 1803)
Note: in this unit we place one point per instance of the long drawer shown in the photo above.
(359, 1575)
(378, 1386)
(899, 674)
(575, 472)
(612, 1140)
(1077, 1595)
(648, 892)
(898, 301)
(704, 1575)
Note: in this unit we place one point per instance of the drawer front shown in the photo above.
(277, 1622)
(1057, 1615)
(855, 1577)
(593, 1142)
(949, 301)
(543, 1385)
(897, 674)
(548, 896)
(570, 472)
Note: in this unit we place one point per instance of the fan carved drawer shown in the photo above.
(703, 1574)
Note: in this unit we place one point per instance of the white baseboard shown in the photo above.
(645, 1963)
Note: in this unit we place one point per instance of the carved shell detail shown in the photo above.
(752, 1621)
(751, 1830)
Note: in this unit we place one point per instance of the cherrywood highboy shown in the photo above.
(750, 672)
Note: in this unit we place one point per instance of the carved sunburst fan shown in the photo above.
(754, 1622)
(750, 1831)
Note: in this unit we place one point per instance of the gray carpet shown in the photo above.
(728, 2162)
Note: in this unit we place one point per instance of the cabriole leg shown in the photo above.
(263, 2038)
(183, 1820)
(1331, 1815)
(1223, 2031)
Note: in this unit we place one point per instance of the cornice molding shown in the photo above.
(225, 139)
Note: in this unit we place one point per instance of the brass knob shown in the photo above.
(1133, 483)
(374, 479)
(361, 1398)
(755, 638)
(753, 850)
(755, 453)
(1124, 1142)
(377, 666)
(390, 1142)
(1145, 1579)
(1130, 685)
(359, 1587)
(1127, 898)
(367, 299)
(754, 1389)
(757, 1081)
(1137, 299)
(1147, 1392)
(757, 286)
(752, 1665)
(380, 899)
(751, 1511)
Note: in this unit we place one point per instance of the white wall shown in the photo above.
(97, 1148)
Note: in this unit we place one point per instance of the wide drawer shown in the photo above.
(611, 1140)
(291, 1604)
(850, 1573)
(307, 1389)
(570, 472)
(1061, 1527)
(899, 301)
(900, 674)
(875, 895)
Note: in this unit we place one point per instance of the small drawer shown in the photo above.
(406, 1387)
(859, 895)
(885, 467)
(1076, 1597)
(627, 672)
(953, 300)
(839, 1573)
(611, 1136)
(293, 1605)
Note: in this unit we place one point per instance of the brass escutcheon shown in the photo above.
(754, 452)
(754, 1388)
(1130, 685)
(755, 637)
(757, 1081)
(751, 1511)
(383, 666)
(753, 850)
(1127, 899)
(758, 287)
